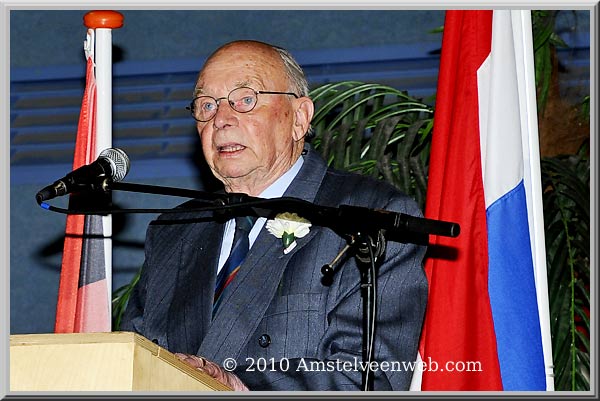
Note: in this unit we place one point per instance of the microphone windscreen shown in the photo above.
(119, 162)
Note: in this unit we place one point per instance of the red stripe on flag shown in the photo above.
(92, 308)
(84, 154)
(92, 304)
(458, 325)
(69, 275)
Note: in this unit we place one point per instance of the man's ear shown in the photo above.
(304, 110)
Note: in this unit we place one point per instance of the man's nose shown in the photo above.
(225, 114)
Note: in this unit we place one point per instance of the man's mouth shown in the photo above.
(230, 148)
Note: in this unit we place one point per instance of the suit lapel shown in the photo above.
(190, 313)
(249, 295)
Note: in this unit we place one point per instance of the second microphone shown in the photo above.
(112, 164)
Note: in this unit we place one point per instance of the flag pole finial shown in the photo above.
(103, 19)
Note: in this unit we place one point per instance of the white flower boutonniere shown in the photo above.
(288, 227)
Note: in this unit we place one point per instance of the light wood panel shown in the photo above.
(119, 361)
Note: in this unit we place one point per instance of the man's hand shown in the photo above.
(214, 371)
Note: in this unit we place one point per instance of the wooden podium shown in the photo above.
(119, 361)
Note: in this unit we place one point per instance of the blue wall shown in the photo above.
(157, 55)
(166, 35)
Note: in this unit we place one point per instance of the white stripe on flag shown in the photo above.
(417, 378)
(532, 176)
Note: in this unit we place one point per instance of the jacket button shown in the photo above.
(264, 340)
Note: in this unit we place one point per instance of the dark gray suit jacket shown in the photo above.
(278, 308)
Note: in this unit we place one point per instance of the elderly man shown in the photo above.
(272, 322)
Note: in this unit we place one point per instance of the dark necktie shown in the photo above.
(239, 250)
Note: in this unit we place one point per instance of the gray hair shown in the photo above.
(294, 72)
(296, 78)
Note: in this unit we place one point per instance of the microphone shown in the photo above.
(395, 222)
(112, 164)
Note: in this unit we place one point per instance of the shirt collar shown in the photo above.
(278, 188)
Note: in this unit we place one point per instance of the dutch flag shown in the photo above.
(487, 322)
(84, 292)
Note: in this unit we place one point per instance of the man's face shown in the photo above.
(248, 151)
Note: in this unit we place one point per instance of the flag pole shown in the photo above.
(103, 22)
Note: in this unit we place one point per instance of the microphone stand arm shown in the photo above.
(345, 219)
(160, 190)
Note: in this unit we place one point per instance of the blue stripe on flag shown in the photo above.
(511, 272)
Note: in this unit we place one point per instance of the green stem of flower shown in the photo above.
(287, 239)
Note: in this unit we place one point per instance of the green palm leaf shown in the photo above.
(566, 212)
(375, 130)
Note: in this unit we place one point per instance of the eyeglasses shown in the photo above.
(242, 100)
